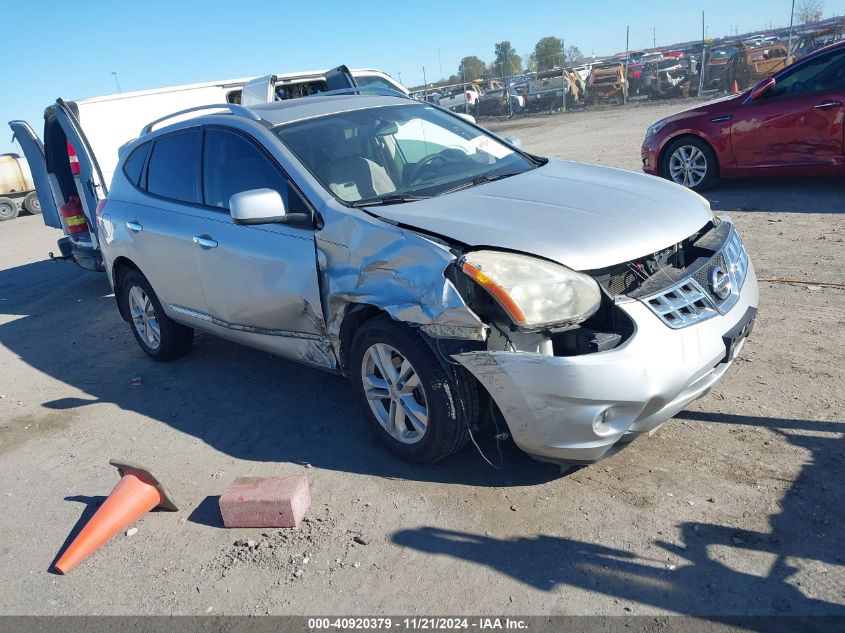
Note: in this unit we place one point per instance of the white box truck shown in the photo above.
(72, 168)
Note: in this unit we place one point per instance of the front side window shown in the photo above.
(233, 164)
(826, 72)
(404, 150)
(174, 166)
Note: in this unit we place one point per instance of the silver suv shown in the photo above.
(454, 278)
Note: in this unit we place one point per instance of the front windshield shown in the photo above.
(398, 152)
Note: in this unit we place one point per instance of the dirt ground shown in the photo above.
(734, 507)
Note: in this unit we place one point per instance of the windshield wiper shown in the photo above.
(479, 180)
(397, 198)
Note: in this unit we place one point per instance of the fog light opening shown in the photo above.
(599, 421)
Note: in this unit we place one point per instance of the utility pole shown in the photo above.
(563, 83)
(114, 74)
(791, 21)
(703, 54)
(440, 63)
(464, 79)
(425, 86)
(627, 55)
(654, 37)
(399, 72)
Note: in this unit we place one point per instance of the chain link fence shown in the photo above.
(676, 71)
(735, 65)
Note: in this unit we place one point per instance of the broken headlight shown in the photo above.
(533, 292)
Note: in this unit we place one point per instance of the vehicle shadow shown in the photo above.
(784, 195)
(804, 533)
(244, 403)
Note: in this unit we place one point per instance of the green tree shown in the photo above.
(507, 62)
(472, 68)
(548, 53)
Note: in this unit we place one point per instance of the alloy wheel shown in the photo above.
(394, 393)
(144, 317)
(688, 166)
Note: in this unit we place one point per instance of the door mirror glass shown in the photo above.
(762, 88)
(257, 206)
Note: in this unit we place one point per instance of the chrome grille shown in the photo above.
(692, 300)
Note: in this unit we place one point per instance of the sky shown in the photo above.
(71, 49)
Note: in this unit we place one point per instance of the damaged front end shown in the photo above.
(665, 331)
(638, 341)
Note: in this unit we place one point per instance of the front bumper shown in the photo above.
(649, 153)
(575, 409)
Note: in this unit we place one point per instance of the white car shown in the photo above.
(460, 98)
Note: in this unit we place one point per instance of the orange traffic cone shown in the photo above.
(735, 87)
(135, 494)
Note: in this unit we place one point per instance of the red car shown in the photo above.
(789, 124)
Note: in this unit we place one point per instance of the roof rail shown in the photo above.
(235, 109)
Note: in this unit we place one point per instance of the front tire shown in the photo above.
(691, 163)
(158, 335)
(413, 405)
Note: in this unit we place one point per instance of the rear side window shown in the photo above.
(174, 167)
(134, 165)
(233, 164)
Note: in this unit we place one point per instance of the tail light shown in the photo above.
(74, 161)
(469, 96)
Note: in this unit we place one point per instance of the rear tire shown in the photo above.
(691, 163)
(32, 204)
(158, 335)
(8, 209)
(420, 411)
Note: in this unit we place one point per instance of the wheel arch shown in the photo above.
(661, 156)
(356, 314)
(120, 267)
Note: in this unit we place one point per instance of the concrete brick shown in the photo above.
(265, 501)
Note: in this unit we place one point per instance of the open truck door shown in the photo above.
(258, 91)
(33, 151)
(68, 181)
(340, 78)
(90, 185)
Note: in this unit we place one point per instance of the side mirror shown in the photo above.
(762, 88)
(466, 117)
(261, 206)
(515, 141)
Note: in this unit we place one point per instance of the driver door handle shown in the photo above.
(205, 242)
(135, 227)
(827, 105)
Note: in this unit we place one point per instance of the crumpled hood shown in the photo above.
(583, 216)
